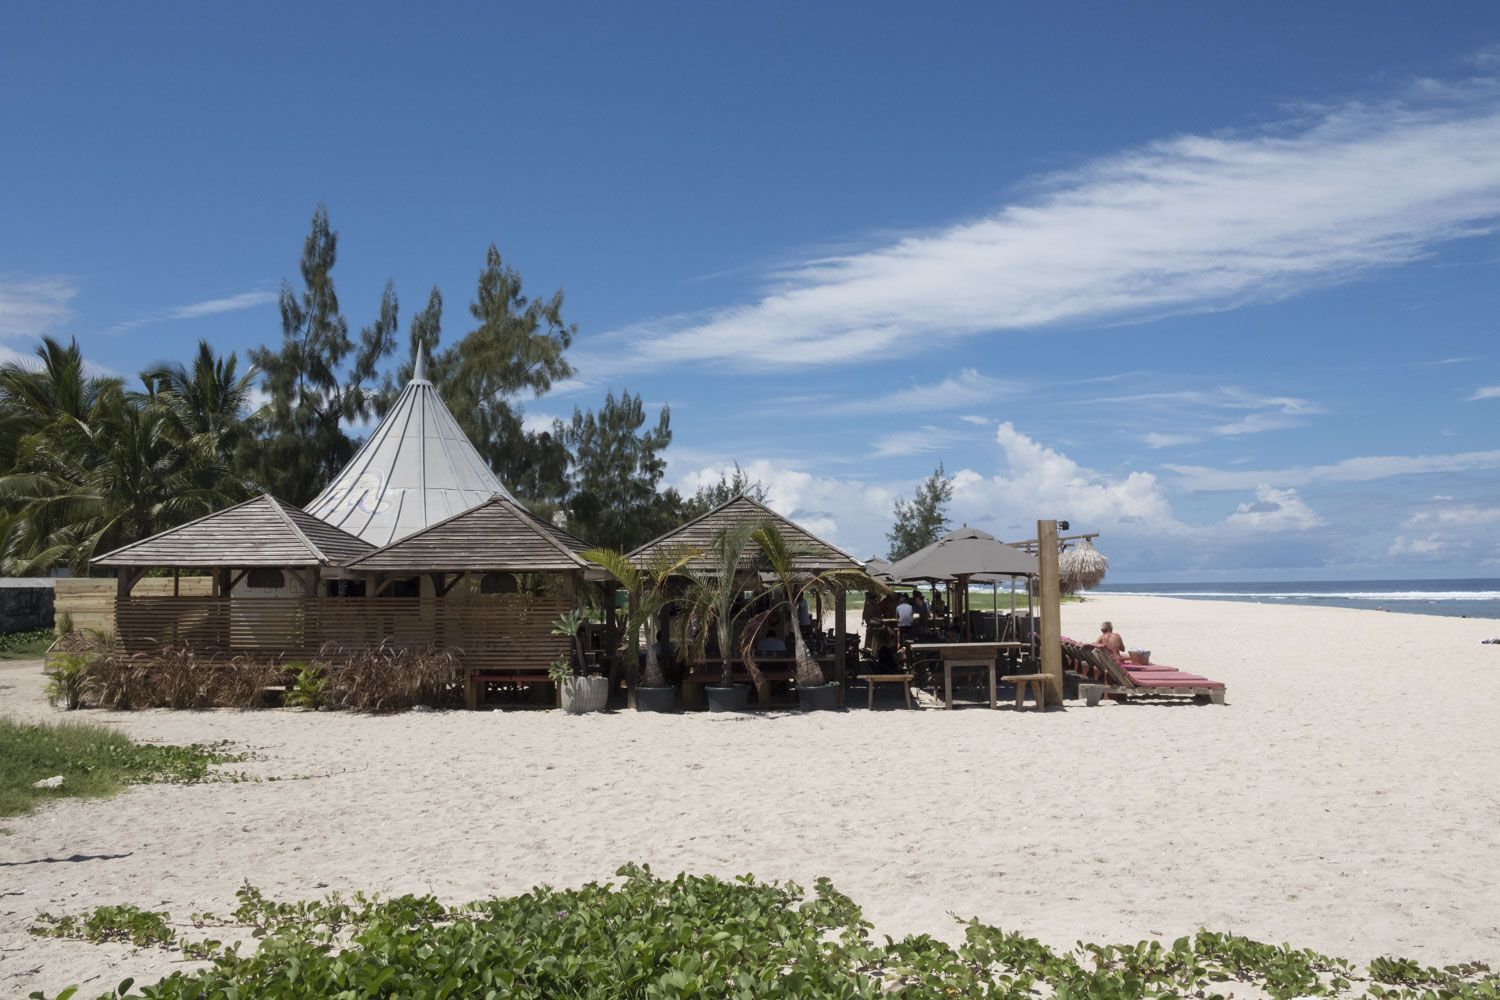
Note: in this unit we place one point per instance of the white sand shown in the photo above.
(1346, 799)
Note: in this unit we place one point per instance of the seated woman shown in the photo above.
(1110, 639)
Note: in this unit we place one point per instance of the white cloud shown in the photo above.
(1350, 470)
(208, 307)
(1423, 547)
(1155, 440)
(978, 421)
(1460, 516)
(967, 388)
(1485, 392)
(1037, 481)
(1253, 413)
(915, 442)
(1185, 224)
(1275, 510)
(32, 307)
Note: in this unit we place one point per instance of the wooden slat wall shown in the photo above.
(488, 631)
(91, 603)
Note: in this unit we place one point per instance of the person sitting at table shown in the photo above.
(919, 606)
(870, 616)
(938, 607)
(905, 617)
(770, 645)
(1110, 639)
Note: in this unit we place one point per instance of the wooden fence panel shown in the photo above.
(91, 603)
(486, 631)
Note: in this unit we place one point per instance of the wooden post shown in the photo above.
(840, 668)
(1051, 601)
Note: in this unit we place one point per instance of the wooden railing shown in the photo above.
(488, 631)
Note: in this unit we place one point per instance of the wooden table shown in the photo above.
(966, 656)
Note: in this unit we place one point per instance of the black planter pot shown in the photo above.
(655, 699)
(734, 698)
(818, 697)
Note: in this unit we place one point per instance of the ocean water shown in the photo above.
(1459, 598)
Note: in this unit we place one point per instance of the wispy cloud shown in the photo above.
(917, 441)
(966, 389)
(30, 307)
(1350, 470)
(200, 310)
(1485, 392)
(1185, 224)
(1211, 410)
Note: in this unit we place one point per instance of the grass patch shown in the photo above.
(93, 761)
(25, 645)
(646, 937)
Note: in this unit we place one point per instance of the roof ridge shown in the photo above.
(545, 531)
(280, 510)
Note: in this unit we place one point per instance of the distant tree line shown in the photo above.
(89, 462)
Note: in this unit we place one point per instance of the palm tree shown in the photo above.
(647, 586)
(94, 467)
(210, 401)
(714, 593)
(795, 584)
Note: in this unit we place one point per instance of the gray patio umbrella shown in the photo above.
(967, 552)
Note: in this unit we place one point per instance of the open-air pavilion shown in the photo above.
(812, 555)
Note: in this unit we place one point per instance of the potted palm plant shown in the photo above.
(792, 585)
(713, 595)
(577, 692)
(647, 587)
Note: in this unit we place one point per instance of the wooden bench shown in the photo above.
(1036, 683)
(477, 679)
(873, 679)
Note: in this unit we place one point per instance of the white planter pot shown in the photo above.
(583, 694)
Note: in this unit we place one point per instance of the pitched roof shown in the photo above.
(699, 533)
(497, 535)
(417, 468)
(262, 531)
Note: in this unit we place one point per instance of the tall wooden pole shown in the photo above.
(1051, 601)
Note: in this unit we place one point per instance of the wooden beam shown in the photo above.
(631, 650)
(840, 668)
(1051, 601)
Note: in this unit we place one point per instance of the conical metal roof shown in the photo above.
(416, 469)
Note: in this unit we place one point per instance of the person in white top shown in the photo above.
(905, 616)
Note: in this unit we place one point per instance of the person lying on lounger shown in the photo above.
(1110, 639)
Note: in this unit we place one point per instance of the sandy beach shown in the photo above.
(1346, 799)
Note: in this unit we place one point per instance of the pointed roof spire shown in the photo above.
(419, 368)
(417, 468)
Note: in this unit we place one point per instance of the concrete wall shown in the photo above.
(25, 604)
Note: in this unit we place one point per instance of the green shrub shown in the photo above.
(67, 677)
(310, 685)
(696, 936)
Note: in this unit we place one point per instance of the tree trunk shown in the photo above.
(653, 677)
(809, 674)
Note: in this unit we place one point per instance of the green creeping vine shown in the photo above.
(692, 936)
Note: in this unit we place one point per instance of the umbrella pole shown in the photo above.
(1030, 620)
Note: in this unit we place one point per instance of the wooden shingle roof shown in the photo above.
(499, 535)
(262, 531)
(815, 554)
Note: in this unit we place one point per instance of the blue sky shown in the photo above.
(1220, 282)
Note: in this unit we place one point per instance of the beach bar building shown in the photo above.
(414, 544)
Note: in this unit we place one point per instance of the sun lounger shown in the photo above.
(1155, 683)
